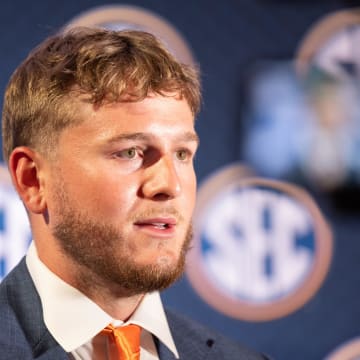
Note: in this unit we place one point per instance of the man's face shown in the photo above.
(123, 191)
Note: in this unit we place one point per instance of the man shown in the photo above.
(98, 132)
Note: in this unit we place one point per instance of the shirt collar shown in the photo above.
(73, 319)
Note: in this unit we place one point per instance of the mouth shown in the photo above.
(164, 226)
(160, 225)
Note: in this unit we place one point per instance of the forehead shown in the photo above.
(157, 115)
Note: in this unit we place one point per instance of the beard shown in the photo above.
(101, 252)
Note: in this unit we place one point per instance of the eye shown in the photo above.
(182, 154)
(129, 153)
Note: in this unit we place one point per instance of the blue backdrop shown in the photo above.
(227, 37)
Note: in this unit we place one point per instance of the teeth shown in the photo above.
(160, 225)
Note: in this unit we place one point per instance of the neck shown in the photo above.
(114, 299)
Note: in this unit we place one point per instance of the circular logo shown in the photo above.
(14, 225)
(118, 17)
(261, 247)
(331, 45)
(348, 351)
(328, 64)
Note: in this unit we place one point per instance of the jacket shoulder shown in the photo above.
(13, 342)
(23, 333)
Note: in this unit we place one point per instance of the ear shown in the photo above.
(25, 170)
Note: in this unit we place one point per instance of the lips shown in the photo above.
(165, 225)
(157, 222)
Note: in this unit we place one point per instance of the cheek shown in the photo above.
(116, 197)
(104, 194)
(190, 191)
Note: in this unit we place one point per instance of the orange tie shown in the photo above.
(126, 339)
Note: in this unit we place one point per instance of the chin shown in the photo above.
(165, 260)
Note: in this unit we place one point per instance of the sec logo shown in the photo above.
(261, 247)
(14, 225)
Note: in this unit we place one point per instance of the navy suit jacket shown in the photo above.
(23, 334)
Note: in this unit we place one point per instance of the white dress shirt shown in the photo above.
(75, 321)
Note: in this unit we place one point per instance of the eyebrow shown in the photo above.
(140, 136)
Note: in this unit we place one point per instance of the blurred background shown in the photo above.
(276, 258)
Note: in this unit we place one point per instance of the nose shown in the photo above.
(161, 180)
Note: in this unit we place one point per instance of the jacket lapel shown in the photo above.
(54, 353)
(192, 342)
(164, 352)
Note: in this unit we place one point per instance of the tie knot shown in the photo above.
(126, 339)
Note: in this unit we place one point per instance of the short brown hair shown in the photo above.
(106, 66)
